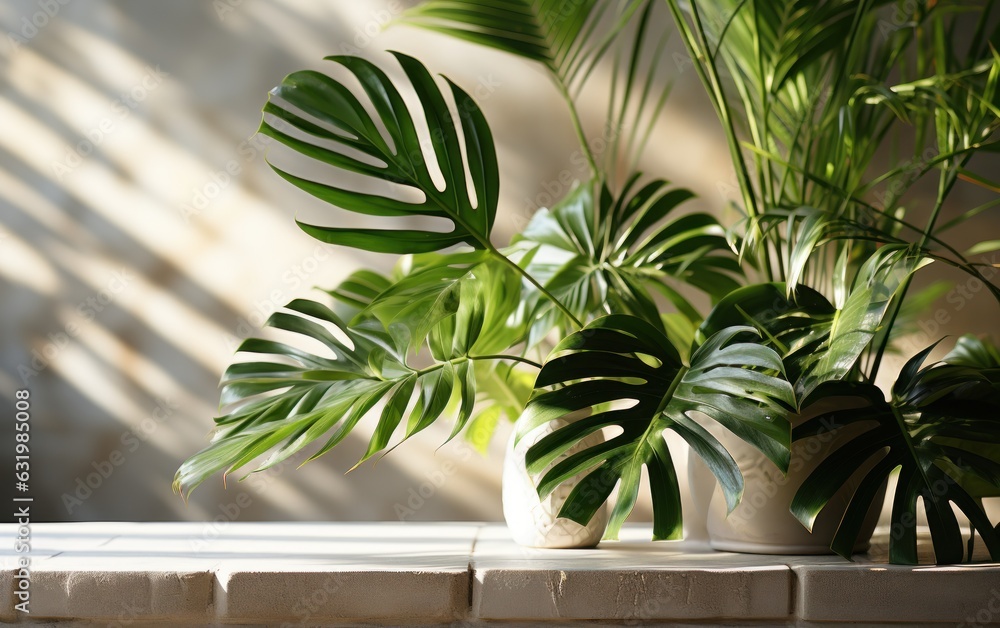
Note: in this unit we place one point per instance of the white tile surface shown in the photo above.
(844, 593)
(628, 579)
(327, 573)
(459, 574)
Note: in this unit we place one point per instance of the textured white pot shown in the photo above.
(533, 522)
(762, 523)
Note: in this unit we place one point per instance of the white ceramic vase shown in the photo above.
(533, 522)
(762, 523)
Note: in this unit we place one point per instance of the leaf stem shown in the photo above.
(472, 358)
(577, 125)
(524, 273)
(515, 358)
(946, 181)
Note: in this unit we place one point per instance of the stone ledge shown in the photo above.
(632, 579)
(458, 574)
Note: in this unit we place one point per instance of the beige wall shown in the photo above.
(131, 260)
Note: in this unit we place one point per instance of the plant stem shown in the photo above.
(574, 115)
(524, 273)
(945, 182)
(515, 358)
(473, 358)
(709, 76)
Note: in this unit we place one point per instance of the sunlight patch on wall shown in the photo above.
(22, 263)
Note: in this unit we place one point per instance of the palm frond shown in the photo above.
(563, 36)
(287, 398)
(616, 258)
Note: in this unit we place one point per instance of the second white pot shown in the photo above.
(762, 523)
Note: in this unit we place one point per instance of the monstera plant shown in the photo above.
(587, 306)
(462, 320)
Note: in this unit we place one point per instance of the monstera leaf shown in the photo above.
(631, 377)
(614, 259)
(974, 353)
(818, 342)
(334, 116)
(795, 327)
(941, 431)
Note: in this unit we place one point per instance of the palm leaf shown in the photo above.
(940, 431)
(326, 113)
(633, 103)
(356, 293)
(560, 35)
(635, 248)
(855, 325)
(631, 377)
(291, 398)
(428, 292)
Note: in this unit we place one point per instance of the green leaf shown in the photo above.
(974, 353)
(429, 292)
(854, 327)
(986, 246)
(338, 126)
(297, 399)
(817, 342)
(435, 391)
(796, 328)
(465, 377)
(941, 431)
(392, 414)
(356, 292)
(558, 34)
(634, 249)
(627, 372)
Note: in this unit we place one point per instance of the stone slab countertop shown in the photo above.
(458, 574)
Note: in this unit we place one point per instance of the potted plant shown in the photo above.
(814, 100)
(805, 105)
(458, 328)
(600, 271)
(807, 93)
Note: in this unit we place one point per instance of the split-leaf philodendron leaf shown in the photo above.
(336, 116)
(940, 430)
(632, 378)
